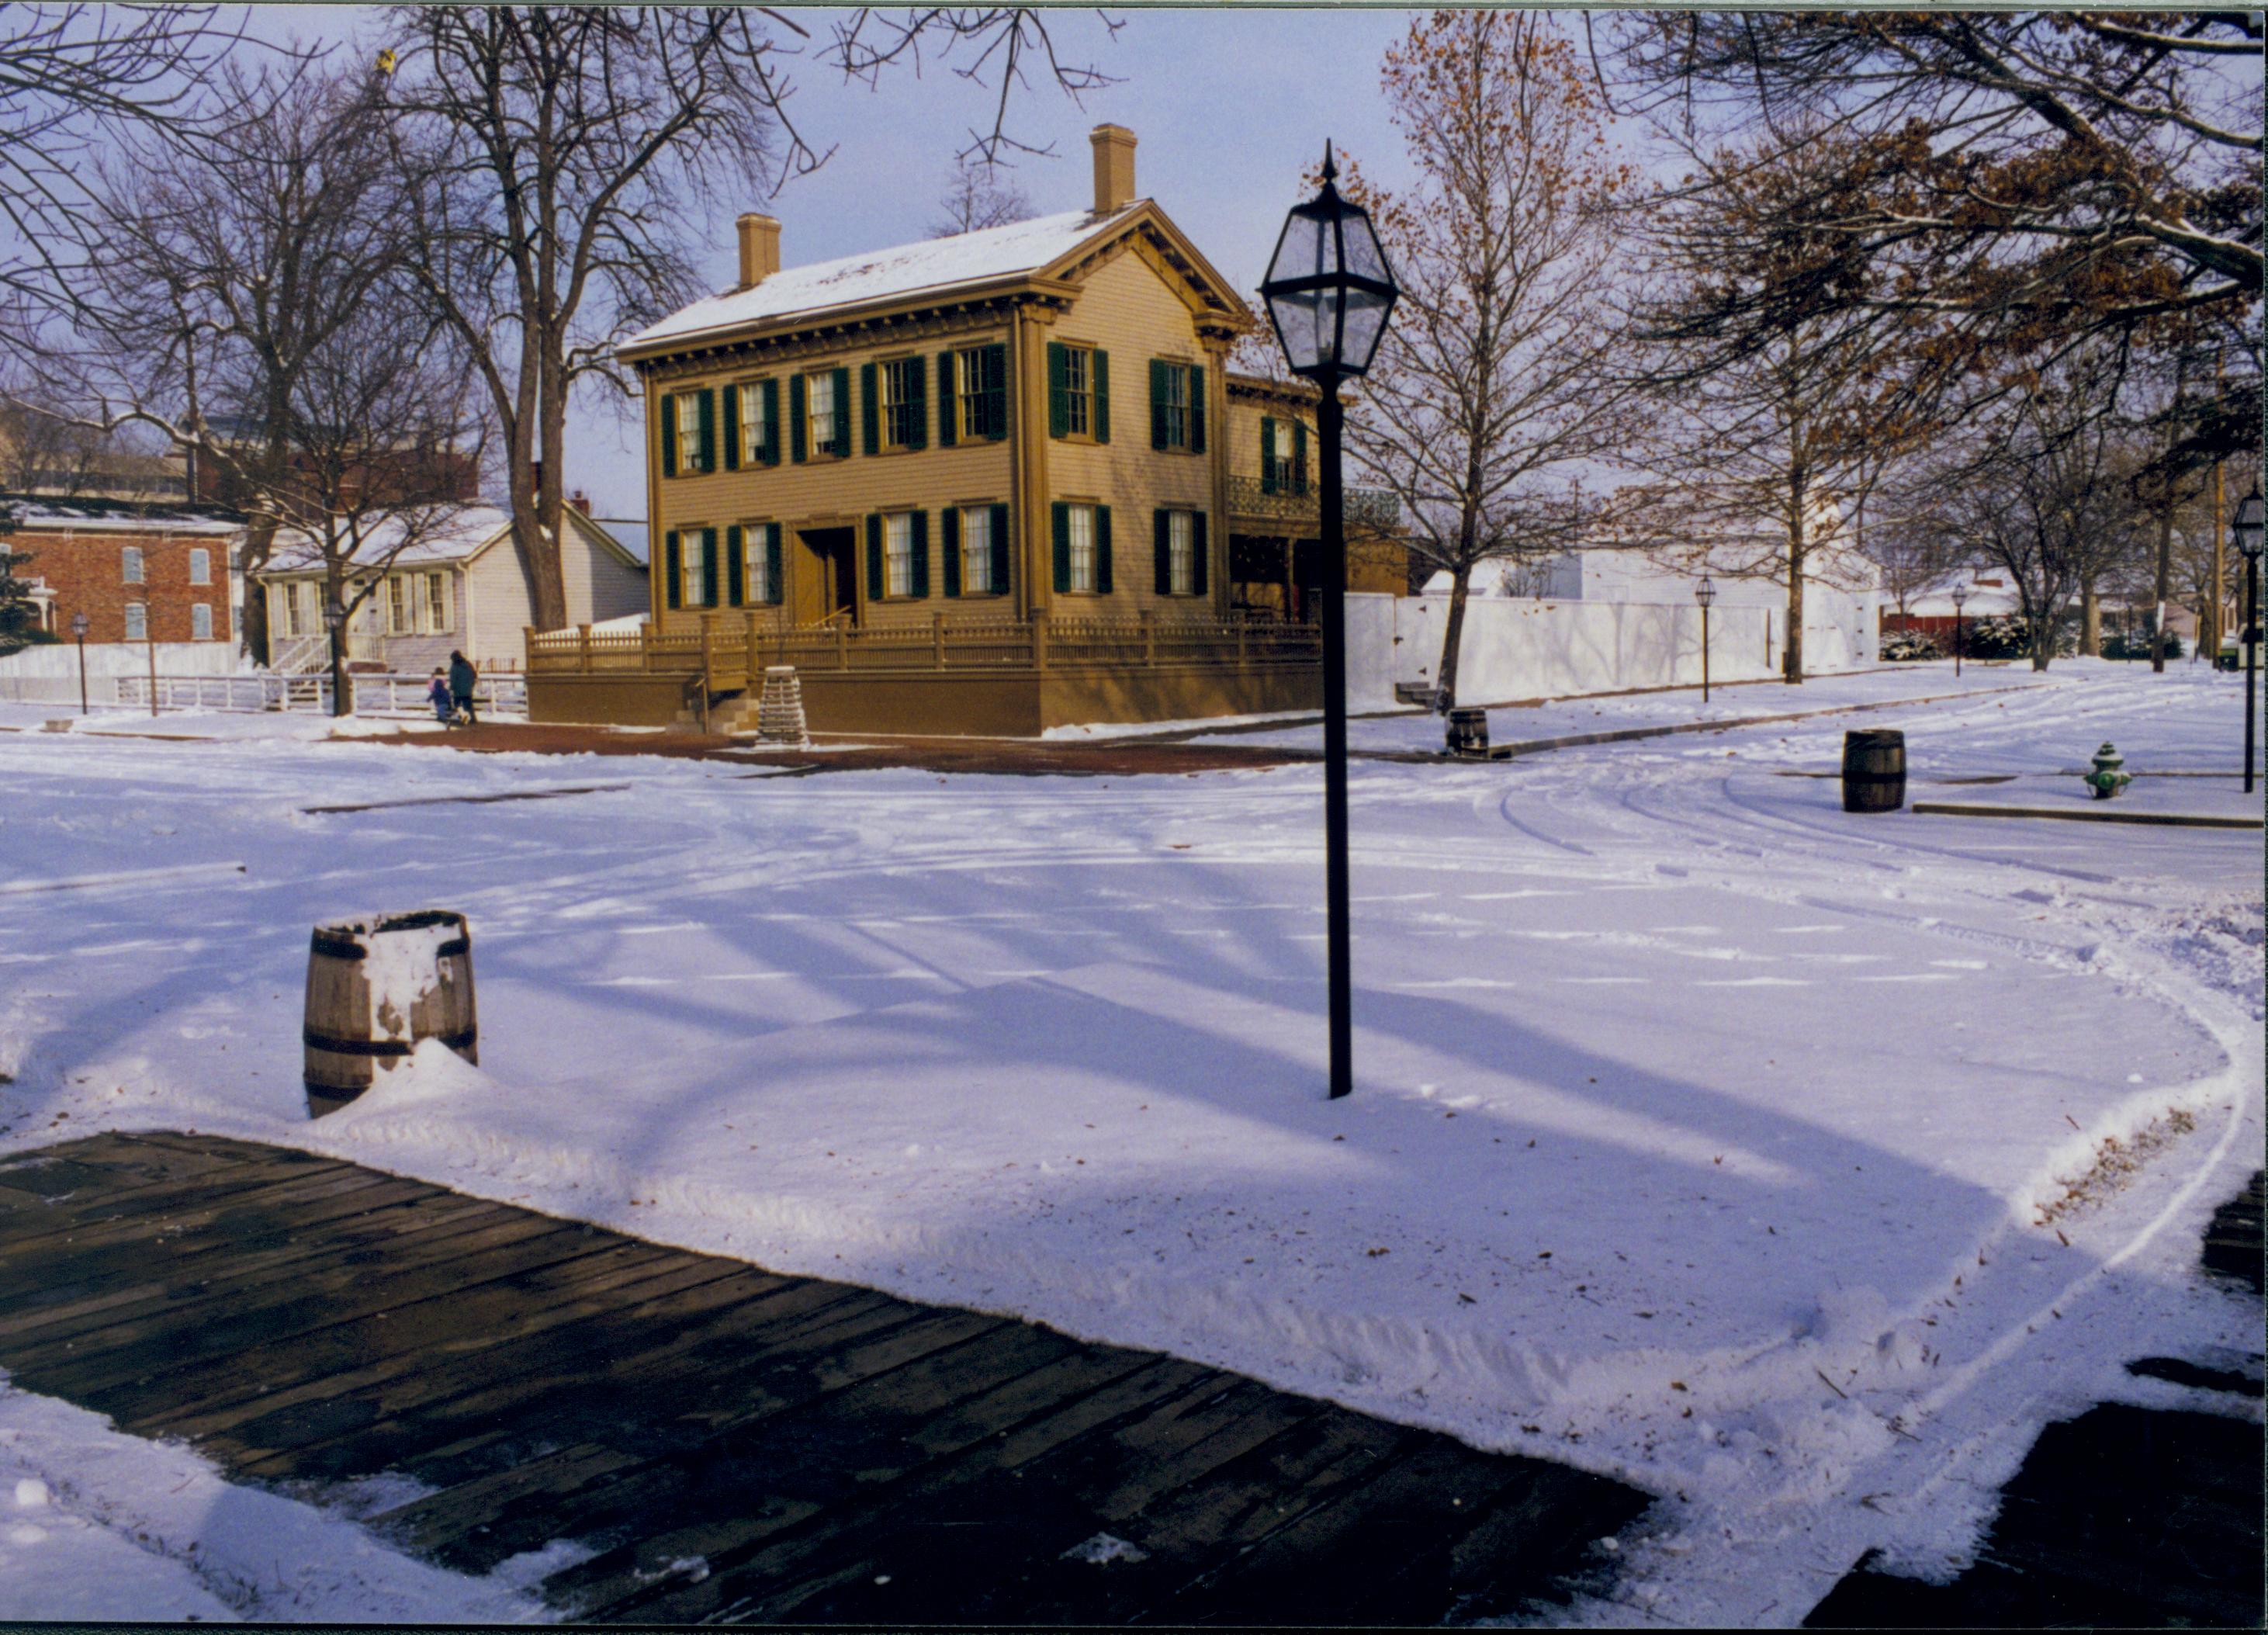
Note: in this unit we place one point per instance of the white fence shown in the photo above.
(372, 695)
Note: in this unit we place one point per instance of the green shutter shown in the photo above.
(1063, 546)
(920, 565)
(1158, 367)
(709, 576)
(768, 451)
(842, 411)
(999, 551)
(947, 431)
(732, 428)
(870, 409)
(1299, 457)
(1196, 408)
(995, 379)
(1200, 549)
(707, 458)
(1102, 373)
(773, 582)
(1267, 455)
(949, 542)
(1164, 530)
(798, 417)
(1058, 391)
(673, 570)
(874, 580)
(736, 566)
(916, 405)
(1103, 547)
(669, 435)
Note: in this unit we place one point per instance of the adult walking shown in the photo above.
(463, 678)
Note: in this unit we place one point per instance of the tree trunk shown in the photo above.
(1790, 661)
(2090, 622)
(547, 581)
(1453, 636)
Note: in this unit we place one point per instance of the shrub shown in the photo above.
(2136, 644)
(1903, 646)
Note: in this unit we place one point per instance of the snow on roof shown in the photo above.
(449, 539)
(904, 269)
(121, 516)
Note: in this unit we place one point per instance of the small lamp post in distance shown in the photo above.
(1704, 593)
(1960, 595)
(78, 633)
(2246, 526)
(1329, 292)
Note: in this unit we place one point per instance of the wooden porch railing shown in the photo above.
(728, 648)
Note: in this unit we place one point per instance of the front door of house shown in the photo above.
(825, 578)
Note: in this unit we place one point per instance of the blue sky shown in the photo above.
(1229, 108)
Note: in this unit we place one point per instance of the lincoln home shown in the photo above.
(982, 485)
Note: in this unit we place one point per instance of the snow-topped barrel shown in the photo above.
(377, 987)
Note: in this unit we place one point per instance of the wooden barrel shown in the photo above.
(375, 988)
(1873, 771)
(1468, 731)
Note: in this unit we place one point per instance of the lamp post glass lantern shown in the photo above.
(1704, 593)
(1960, 595)
(2246, 527)
(78, 626)
(1329, 291)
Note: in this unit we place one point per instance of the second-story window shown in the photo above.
(200, 567)
(1079, 392)
(902, 405)
(688, 431)
(1282, 457)
(975, 387)
(819, 392)
(130, 561)
(1176, 406)
(759, 438)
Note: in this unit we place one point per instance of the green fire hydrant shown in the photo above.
(2110, 774)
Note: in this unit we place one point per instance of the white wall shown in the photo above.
(49, 673)
(1518, 648)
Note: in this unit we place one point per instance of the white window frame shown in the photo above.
(1079, 391)
(753, 426)
(692, 582)
(199, 565)
(201, 622)
(897, 552)
(1282, 456)
(306, 601)
(896, 410)
(1181, 552)
(401, 610)
(976, 552)
(130, 566)
(688, 431)
(436, 603)
(1079, 522)
(137, 622)
(819, 430)
(969, 391)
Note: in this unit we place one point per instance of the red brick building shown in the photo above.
(137, 572)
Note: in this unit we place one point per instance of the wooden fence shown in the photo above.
(727, 648)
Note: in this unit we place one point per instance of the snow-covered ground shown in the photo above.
(1792, 1164)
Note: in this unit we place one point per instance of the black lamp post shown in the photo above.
(78, 633)
(1960, 595)
(1329, 291)
(2245, 525)
(1704, 593)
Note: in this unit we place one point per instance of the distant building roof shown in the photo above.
(446, 538)
(122, 516)
(935, 265)
(629, 532)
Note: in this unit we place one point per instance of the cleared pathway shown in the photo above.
(732, 1445)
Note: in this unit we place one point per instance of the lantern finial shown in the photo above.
(1331, 169)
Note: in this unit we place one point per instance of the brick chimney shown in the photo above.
(1114, 167)
(759, 248)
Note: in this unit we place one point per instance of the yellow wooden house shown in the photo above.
(983, 484)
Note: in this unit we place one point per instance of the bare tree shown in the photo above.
(1491, 386)
(1905, 541)
(1767, 419)
(2025, 178)
(557, 157)
(68, 73)
(977, 197)
(227, 280)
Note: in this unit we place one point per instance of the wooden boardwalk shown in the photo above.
(733, 1445)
